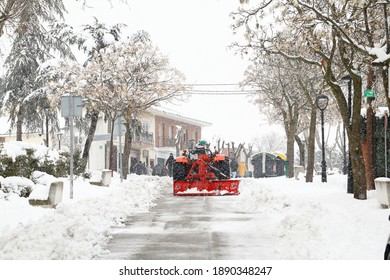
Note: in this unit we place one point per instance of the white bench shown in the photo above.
(382, 186)
(105, 180)
(49, 199)
(298, 169)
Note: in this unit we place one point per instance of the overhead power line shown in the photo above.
(212, 84)
(239, 91)
(225, 89)
(219, 92)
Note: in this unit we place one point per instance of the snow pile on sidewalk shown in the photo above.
(78, 228)
(318, 220)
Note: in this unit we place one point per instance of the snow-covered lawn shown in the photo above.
(311, 221)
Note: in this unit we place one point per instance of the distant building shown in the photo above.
(7, 135)
(152, 145)
(168, 126)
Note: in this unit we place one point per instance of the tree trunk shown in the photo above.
(126, 150)
(353, 129)
(111, 164)
(370, 135)
(368, 159)
(359, 176)
(301, 147)
(233, 152)
(238, 151)
(19, 124)
(178, 142)
(290, 151)
(356, 154)
(91, 134)
(311, 145)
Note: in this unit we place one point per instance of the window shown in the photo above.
(170, 132)
(160, 135)
(145, 127)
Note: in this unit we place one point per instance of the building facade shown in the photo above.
(159, 133)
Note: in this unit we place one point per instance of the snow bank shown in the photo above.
(79, 228)
(317, 220)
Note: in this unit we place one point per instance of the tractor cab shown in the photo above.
(199, 149)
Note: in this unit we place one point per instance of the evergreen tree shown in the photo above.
(15, 14)
(23, 91)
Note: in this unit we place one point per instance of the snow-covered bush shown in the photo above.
(22, 160)
(22, 165)
(6, 166)
(19, 159)
(18, 185)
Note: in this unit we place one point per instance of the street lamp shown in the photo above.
(322, 102)
(59, 134)
(387, 43)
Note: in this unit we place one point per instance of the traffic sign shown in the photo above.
(369, 93)
(71, 106)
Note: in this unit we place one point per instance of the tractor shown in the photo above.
(202, 172)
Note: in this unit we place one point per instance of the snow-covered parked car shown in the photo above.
(387, 249)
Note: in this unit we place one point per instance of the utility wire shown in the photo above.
(216, 91)
(211, 84)
(220, 92)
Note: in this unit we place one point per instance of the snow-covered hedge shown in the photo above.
(24, 187)
(21, 159)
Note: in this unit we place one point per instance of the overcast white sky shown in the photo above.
(195, 34)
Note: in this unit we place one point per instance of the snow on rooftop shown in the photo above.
(162, 111)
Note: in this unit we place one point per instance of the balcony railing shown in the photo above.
(170, 142)
(144, 137)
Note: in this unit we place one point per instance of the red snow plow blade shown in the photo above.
(206, 174)
(204, 188)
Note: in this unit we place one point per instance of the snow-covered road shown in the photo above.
(188, 228)
(274, 218)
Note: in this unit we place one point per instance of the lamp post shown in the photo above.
(345, 166)
(386, 2)
(71, 106)
(322, 102)
(387, 43)
(59, 134)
